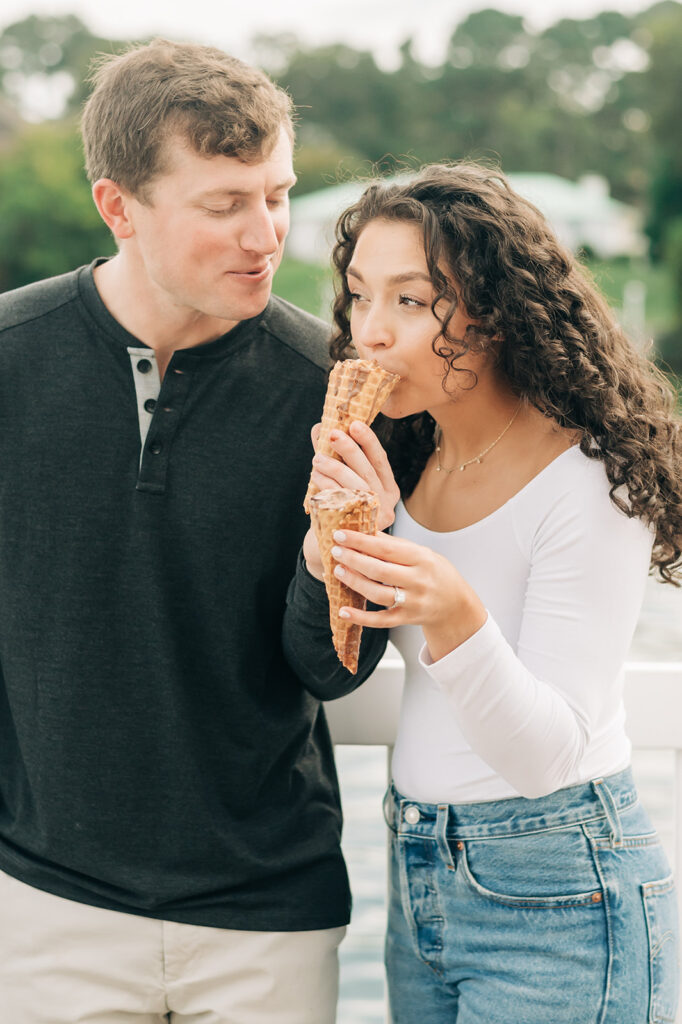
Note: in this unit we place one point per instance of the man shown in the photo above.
(169, 810)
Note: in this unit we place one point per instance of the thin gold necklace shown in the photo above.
(477, 458)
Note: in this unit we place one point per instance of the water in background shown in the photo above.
(363, 772)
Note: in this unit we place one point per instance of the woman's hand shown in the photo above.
(362, 466)
(383, 569)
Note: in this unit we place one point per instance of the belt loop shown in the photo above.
(610, 809)
(441, 835)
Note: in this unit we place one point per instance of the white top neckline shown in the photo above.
(500, 508)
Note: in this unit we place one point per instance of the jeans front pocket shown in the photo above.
(660, 909)
(547, 869)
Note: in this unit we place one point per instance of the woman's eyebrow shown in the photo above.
(408, 275)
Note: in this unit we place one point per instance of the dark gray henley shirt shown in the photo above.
(158, 753)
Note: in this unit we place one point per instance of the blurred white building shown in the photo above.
(582, 213)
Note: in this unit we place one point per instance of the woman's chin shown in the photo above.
(395, 409)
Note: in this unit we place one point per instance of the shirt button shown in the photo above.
(155, 448)
(144, 366)
(150, 404)
(412, 815)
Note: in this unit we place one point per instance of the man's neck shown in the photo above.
(144, 313)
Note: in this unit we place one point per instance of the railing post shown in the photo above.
(677, 848)
(389, 760)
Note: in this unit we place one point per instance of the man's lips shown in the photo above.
(252, 273)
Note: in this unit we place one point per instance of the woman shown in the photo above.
(534, 464)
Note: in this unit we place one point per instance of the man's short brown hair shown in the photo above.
(216, 103)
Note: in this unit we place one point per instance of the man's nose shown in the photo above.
(259, 234)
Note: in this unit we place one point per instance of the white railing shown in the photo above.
(653, 701)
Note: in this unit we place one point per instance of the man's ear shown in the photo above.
(113, 205)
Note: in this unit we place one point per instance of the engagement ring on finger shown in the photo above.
(398, 599)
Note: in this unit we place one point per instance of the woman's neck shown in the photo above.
(474, 420)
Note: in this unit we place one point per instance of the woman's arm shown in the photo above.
(530, 712)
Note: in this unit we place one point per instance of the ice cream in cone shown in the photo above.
(341, 509)
(357, 389)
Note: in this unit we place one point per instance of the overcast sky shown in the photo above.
(380, 25)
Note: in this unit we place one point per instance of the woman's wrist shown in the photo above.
(464, 620)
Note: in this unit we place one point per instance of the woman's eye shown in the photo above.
(355, 297)
(407, 300)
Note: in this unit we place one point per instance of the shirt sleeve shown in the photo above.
(530, 711)
(307, 640)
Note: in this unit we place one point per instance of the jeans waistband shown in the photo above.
(589, 801)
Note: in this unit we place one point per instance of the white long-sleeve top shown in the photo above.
(533, 701)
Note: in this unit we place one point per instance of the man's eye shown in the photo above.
(223, 212)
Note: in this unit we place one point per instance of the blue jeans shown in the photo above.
(559, 910)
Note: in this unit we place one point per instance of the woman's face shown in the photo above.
(392, 321)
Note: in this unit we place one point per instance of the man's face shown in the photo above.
(212, 234)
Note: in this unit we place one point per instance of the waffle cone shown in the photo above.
(332, 510)
(357, 389)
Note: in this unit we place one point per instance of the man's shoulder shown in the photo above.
(305, 334)
(22, 305)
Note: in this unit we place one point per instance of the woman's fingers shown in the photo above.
(386, 619)
(336, 473)
(374, 569)
(375, 454)
(377, 593)
(380, 546)
(355, 458)
(384, 564)
(362, 451)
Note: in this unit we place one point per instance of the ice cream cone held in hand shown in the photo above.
(342, 509)
(357, 389)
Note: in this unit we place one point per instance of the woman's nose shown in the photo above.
(373, 330)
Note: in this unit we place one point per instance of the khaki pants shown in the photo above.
(63, 962)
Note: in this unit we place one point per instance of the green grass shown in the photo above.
(307, 285)
(612, 275)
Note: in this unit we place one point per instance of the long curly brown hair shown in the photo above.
(561, 348)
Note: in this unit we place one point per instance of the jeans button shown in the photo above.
(412, 815)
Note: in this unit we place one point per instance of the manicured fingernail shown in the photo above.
(340, 536)
(339, 571)
(336, 552)
(343, 614)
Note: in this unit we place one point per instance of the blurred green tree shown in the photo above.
(663, 25)
(53, 54)
(48, 222)
(585, 95)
